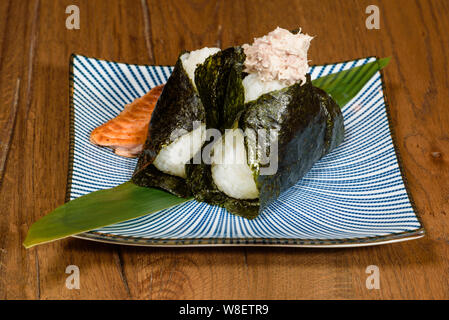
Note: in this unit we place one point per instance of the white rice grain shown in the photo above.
(230, 170)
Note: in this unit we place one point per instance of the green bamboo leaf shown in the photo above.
(344, 85)
(99, 209)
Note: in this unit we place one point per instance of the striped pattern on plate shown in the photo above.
(354, 196)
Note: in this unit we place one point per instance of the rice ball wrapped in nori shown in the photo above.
(177, 128)
(281, 127)
(241, 92)
(307, 124)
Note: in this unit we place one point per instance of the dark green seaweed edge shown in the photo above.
(122, 240)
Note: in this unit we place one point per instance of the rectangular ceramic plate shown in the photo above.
(355, 196)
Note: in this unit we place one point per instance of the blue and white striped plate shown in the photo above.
(354, 196)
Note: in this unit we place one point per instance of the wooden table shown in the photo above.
(35, 46)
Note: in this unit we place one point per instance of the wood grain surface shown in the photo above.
(35, 47)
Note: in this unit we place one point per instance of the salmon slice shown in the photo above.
(127, 132)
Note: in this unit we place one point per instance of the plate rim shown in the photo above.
(251, 242)
(273, 242)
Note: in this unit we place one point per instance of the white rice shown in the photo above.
(255, 87)
(172, 158)
(230, 170)
(192, 59)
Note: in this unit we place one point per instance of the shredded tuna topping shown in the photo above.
(280, 55)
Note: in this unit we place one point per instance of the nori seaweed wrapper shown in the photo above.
(178, 107)
(219, 83)
(309, 125)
